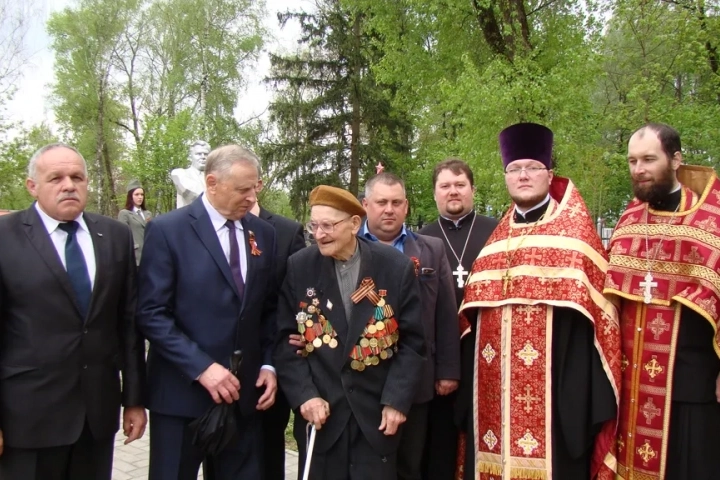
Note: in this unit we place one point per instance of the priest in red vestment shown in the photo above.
(547, 351)
(663, 274)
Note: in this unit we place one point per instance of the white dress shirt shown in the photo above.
(59, 237)
(138, 211)
(223, 234)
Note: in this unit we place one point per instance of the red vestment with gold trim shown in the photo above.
(520, 277)
(681, 250)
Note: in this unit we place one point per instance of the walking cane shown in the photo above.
(310, 445)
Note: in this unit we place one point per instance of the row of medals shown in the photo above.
(319, 341)
(383, 347)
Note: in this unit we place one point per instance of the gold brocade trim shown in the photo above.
(489, 468)
(668, 395)
(686, 231)
(638, 342)
(526, 473)
(547, 241)
(670, 268)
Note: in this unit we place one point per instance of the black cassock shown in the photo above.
(441, 448)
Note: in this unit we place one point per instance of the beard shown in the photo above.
(658, 189)
(526, 203)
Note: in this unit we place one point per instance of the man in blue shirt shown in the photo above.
(386, 206)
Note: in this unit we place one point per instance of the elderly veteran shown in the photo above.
(357, 305)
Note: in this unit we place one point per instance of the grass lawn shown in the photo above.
(290, 442)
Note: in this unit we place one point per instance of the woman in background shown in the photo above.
(135, 216)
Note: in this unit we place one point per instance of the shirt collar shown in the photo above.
(217, 220)
(400, 238)
(545, 200)
(460, 221)
(51, 224)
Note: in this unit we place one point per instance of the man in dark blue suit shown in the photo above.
(206, 288)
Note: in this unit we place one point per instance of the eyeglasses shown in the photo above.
(515, 172)
(326, 226)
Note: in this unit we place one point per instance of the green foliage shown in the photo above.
(16, 153)
(163, 148)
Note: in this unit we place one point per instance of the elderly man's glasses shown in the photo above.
(326, 226)
(515, 172)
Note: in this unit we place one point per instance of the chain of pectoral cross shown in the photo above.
(507, 278)
(649, 282)
(460, 271)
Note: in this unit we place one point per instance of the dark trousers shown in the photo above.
(442, 438)
(86, 459)
(412, 444)
(274, 422)
(174, 457)
(351, 458)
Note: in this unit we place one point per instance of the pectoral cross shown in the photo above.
(460, 273)
(507, 278)
(648, 285)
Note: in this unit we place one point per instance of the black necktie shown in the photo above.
(76, 267)
(235, 258)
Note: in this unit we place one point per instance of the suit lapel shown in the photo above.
(204, 229)
(252, 260)
(364, 310)
(138, 218)
(40, 240)
(99, 238)
(412, 247)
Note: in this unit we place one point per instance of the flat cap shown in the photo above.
(336, 198)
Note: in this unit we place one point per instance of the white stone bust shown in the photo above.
(190, 182)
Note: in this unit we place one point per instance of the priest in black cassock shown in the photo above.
(547, 345)
(463, 233)
(664, 259)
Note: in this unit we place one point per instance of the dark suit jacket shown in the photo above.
(137, 227)
(289, 237)
(439, 315)
(190, 310)
(56, 368)
(326, 372)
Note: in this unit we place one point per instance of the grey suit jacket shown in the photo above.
(137, 227)
(439, 315)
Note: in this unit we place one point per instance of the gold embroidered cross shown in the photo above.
(528, 443)
(528, 354)
(658, 326)
(528, 310)
(650, 411)
(653, 368)
(527, 398)
(646, 452)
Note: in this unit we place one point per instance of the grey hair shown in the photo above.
(386, 178)
(32, 164)
(220, 160)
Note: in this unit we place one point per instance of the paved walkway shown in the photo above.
(131, 461)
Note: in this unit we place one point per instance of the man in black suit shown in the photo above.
(290, 239)
(357, 305)
(67, 330)
(207, 288)
(387, 207)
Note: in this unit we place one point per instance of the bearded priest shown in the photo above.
(664, 262)
(547, 349)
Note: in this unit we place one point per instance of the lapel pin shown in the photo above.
(329, 305)
(99, 234)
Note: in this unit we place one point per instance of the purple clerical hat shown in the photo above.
(526, 141)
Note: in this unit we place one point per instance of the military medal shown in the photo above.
(380, 336)
(314, 327)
